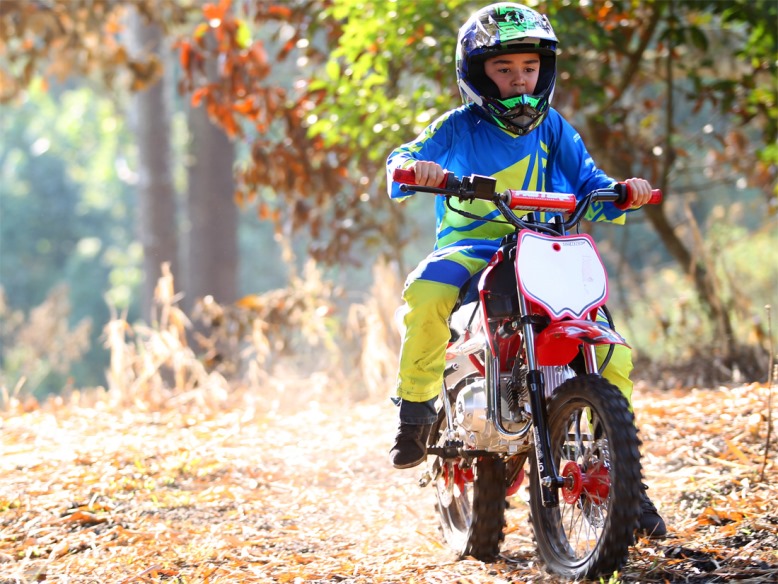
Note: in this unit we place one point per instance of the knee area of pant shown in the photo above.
(425, 293)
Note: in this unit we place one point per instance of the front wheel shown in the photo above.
(595, 447)
(470, 501)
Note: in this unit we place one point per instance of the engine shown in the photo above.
(473, 426)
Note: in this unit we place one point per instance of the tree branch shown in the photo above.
(633, 64)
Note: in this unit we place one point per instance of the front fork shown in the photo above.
(550, 480)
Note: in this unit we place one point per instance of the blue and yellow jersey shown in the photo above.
(550, 158)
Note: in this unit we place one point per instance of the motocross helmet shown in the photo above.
(499, 29)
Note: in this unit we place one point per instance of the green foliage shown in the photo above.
(66, 209)
(391, 73)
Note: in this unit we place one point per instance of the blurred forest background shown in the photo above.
(207, 179)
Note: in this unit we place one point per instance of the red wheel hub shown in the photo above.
(460, 476)
(514, 488)
(594, 484)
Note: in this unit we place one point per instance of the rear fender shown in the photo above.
(558, 344)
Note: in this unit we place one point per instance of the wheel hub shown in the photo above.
(593, 484)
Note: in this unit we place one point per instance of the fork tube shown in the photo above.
(549, 478)
(590, 359)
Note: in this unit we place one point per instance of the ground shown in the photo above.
(261, 492)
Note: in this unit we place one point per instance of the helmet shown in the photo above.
(498, 29)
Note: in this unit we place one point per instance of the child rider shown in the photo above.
(506, 71)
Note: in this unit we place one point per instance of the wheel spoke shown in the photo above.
(582, 522)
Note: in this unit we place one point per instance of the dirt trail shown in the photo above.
(89, 495)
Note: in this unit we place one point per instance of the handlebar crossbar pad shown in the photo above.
(542, 201)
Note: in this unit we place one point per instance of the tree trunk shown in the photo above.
(212, 255)
(150, 119)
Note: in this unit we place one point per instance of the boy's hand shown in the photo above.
(429, 174)
(639, 191)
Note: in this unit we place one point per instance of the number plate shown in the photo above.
(563, 274)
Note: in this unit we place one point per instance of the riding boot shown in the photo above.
(651, 523)
(410, 445)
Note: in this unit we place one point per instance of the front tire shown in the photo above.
(594, 445)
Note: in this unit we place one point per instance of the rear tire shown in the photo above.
(593, 436)
(470, 501)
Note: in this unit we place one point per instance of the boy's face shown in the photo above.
(514, 73)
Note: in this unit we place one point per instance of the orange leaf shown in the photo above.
(278, 11)
(263, 212)
(253, 301)
(258, 53)
(737, 452)
(197, 96)
(113, 27)
(287, 48)
(186, 53)
(711, 516)
(86, 518)
(228, 123)
(213, 12)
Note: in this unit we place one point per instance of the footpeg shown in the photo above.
(426, 478)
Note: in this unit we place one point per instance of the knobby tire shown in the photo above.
(593, 402)
(472, 521)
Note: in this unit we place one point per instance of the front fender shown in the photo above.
(558, 344)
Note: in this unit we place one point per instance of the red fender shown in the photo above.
(558, 343)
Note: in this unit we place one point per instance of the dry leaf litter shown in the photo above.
(265, 492)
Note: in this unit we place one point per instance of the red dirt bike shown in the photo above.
(522, 383)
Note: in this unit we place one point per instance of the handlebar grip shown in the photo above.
(624, 202)
(406, 176)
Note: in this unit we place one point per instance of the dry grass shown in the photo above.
(37, 345)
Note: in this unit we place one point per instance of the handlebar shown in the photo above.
(483, 187)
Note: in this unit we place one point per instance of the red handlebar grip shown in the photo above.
(656, 197)
(406, 176)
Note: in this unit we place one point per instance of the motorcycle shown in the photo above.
(522, 384)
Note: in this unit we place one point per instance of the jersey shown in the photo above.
(550, 158)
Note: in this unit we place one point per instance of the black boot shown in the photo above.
(651, 523)
(410, 445)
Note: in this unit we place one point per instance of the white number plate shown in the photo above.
(564, 274)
